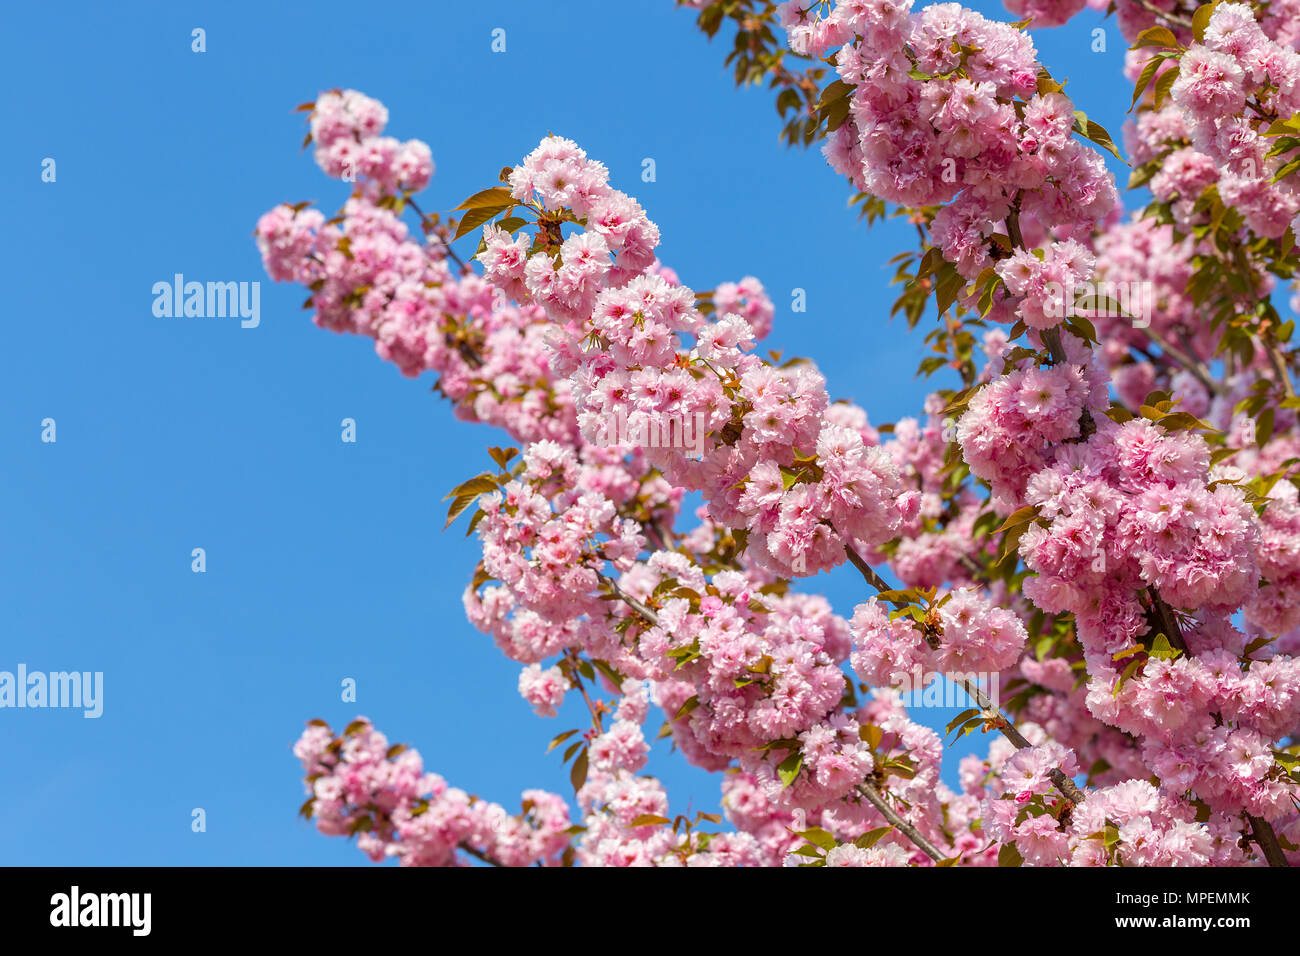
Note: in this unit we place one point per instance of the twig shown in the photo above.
(898, 823)
(1279, 369)
(445, 244)
(574, 661)
(478, 854)
(1165, 15)
(628, 599)
(874, 579)
(1186, 360)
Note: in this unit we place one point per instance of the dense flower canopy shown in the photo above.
(1104, 518)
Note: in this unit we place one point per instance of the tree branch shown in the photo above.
(898, 823)
(1165, 15)
(1267, 841)
(1185, 359)
(1279, 369)
(479, 854)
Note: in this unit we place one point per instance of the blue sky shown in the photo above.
(326, 560)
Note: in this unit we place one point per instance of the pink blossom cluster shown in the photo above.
(936, 545)
(346, 127)
(972, 636)
(1131, 520)
(617, 243)
(619, 337)
(1141, 254)
(369, 276)
(1130, 508)
(933, 119)
(543, 689)
(1273, 608)
(1049, 13)
(1230, 87)
(360, 785)
(1044, 286)
(1130, 823)
(544, 551)
(1016, 423)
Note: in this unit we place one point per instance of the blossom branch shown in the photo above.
(1165, 620)
(1008, 729)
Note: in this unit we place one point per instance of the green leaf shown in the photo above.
(948, 286)
(466, 493)
(1161, 648)
(502, 456)
(872, 734)
(1011, 542)
(819, 837)
(578, 775)
(1008, 855)
(788, 768)
(480, 484)
(1264, 427)
(559, 739)
(807, 850)
(1019, 516)
(1156, 36)
(648, 820)
(457, 506)
(475, 218)
(787, 100)
(871, 837)
(1257, 644)
(1286, 170)
(961, 718)
(1126, 674)
(1148, 72)
(1164, 84)
(1201, 20)
(496, 197)
(1094, 131)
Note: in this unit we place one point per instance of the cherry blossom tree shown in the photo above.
(1104, 516)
